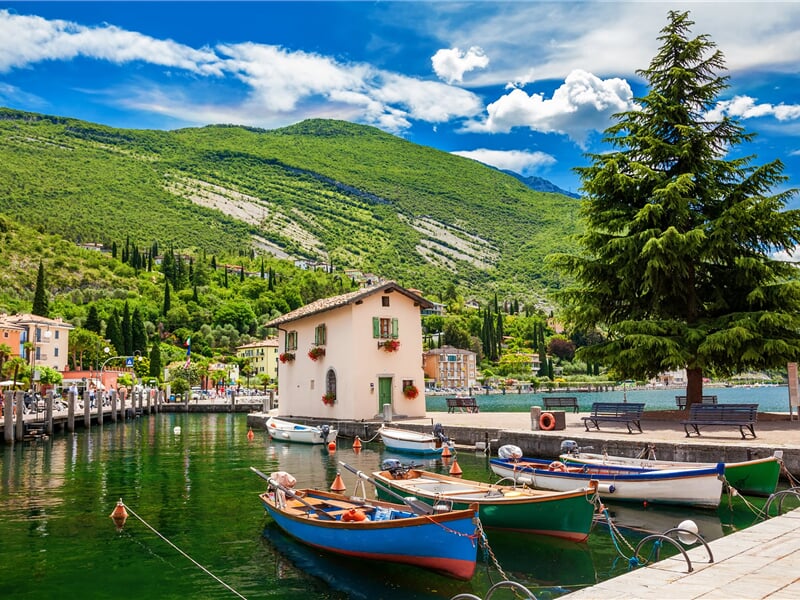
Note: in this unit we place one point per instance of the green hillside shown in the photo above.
(340, 193)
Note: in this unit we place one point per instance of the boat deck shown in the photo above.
(762, 561)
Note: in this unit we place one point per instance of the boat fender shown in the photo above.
(606, 488)
(547, 422)
(557, 465)
(353, 515)
(509, 451)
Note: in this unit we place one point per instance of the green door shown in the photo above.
(384, 392)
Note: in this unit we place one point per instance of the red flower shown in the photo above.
(286, 357)
(316, 352)
(391, 345)
(329, 398)
(410, 392)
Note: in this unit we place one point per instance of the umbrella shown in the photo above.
(8, 383)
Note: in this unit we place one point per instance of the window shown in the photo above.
(330, 382)
(321, 335)
(57, 332)
(384, 327)
(384, 300)
(291, 341)
(55, 351)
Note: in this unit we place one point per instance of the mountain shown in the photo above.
(347, 195)
(540, 184)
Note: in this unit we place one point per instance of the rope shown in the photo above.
(633, 560)
(189, 558)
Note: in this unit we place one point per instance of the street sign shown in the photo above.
(129, 361)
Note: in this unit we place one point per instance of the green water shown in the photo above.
(196, 489)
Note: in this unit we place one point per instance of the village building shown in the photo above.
(349, 357)
(262, 356)
(451, 367)
(49, 339)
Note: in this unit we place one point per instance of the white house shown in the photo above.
(367, 352)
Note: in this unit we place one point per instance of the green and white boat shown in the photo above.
(567, 515)
(758, 477)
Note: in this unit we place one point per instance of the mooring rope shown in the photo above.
(189, 558)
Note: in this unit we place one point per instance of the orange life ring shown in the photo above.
(557, 465)
(547, 422)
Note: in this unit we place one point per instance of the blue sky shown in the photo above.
(525, 86)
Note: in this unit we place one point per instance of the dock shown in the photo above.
(760, 562)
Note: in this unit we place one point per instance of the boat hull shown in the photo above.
(401, 440)
(757, 477)
(445, 543)
(689, 487)
(566, 515)
(286, 431)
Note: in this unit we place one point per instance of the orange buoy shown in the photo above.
(331, 446)
(353, 515)
(446, 452)
(119, 515)
(250, 434)
(357, 443)
(455, 470)
(338, 485)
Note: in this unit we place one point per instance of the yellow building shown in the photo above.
(262, 357)
(451, 367)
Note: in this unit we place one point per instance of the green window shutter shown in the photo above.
(316, 335)
(395, 327)
(376, 327)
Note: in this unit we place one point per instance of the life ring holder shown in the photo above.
(547, 422)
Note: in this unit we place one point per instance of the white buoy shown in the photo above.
(177, 430)
(685, 538)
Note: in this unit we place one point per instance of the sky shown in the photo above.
(526, 86)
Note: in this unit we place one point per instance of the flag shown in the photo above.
(188, 345)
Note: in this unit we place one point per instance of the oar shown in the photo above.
(417, 506)
(291, 494)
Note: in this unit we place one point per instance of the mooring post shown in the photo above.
(112, 394)
(87, 410)
(8, 417)
(71, 411)
(99, 399)
(48, 414)
(19, 432)
(122, 403)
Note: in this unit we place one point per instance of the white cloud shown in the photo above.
(745, 107)
(25, 40)
(451, 64)
(11, 95)
(519, 161)
(581, 104)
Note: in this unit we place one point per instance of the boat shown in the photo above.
(415, 442)
(445, 542)
(286, 431)
(758, 477)
(567, 515)
(688, 487)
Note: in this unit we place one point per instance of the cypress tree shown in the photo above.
(40, 303)
(138, 333)
(155, 360)
(165, 307)
(114, 333)
(127, 334)
(92, 320)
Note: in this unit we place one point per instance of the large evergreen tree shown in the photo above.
(676, 259)
(127, 333)
(93, 320)
(138, 333)
(114, 333)
(40, 302)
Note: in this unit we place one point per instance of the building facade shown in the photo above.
(262, 357)
(450, 367)
(49, 340)
(348, 356)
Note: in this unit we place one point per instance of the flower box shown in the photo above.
(329, 399)
(286, 357)
(316, 352)
(390, 345)
(410, 392)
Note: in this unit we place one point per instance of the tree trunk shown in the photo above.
(694, 386)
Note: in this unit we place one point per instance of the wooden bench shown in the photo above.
(550, 402)
(680, 401)
(629, 413)
(468, 404)
(742, 416)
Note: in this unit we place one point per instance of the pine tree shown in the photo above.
(127, 335)
(93, 320)
(40, 302)
(165, 308)
(676, 262)
(155, 360)
(114, 333)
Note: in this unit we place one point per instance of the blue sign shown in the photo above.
(128, 361)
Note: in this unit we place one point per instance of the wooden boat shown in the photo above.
(566, 515)
(286, 431)
(415, 442)
(688, 487)
(757, 477)
(445, 542)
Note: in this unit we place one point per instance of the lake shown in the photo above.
(769, 398)
(196, 490)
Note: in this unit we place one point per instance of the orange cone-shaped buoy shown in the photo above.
(119, 515)
(446, 452)
(250, 434)
(338, 485)
(331, 446)
(455, 470)
(357, 443)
